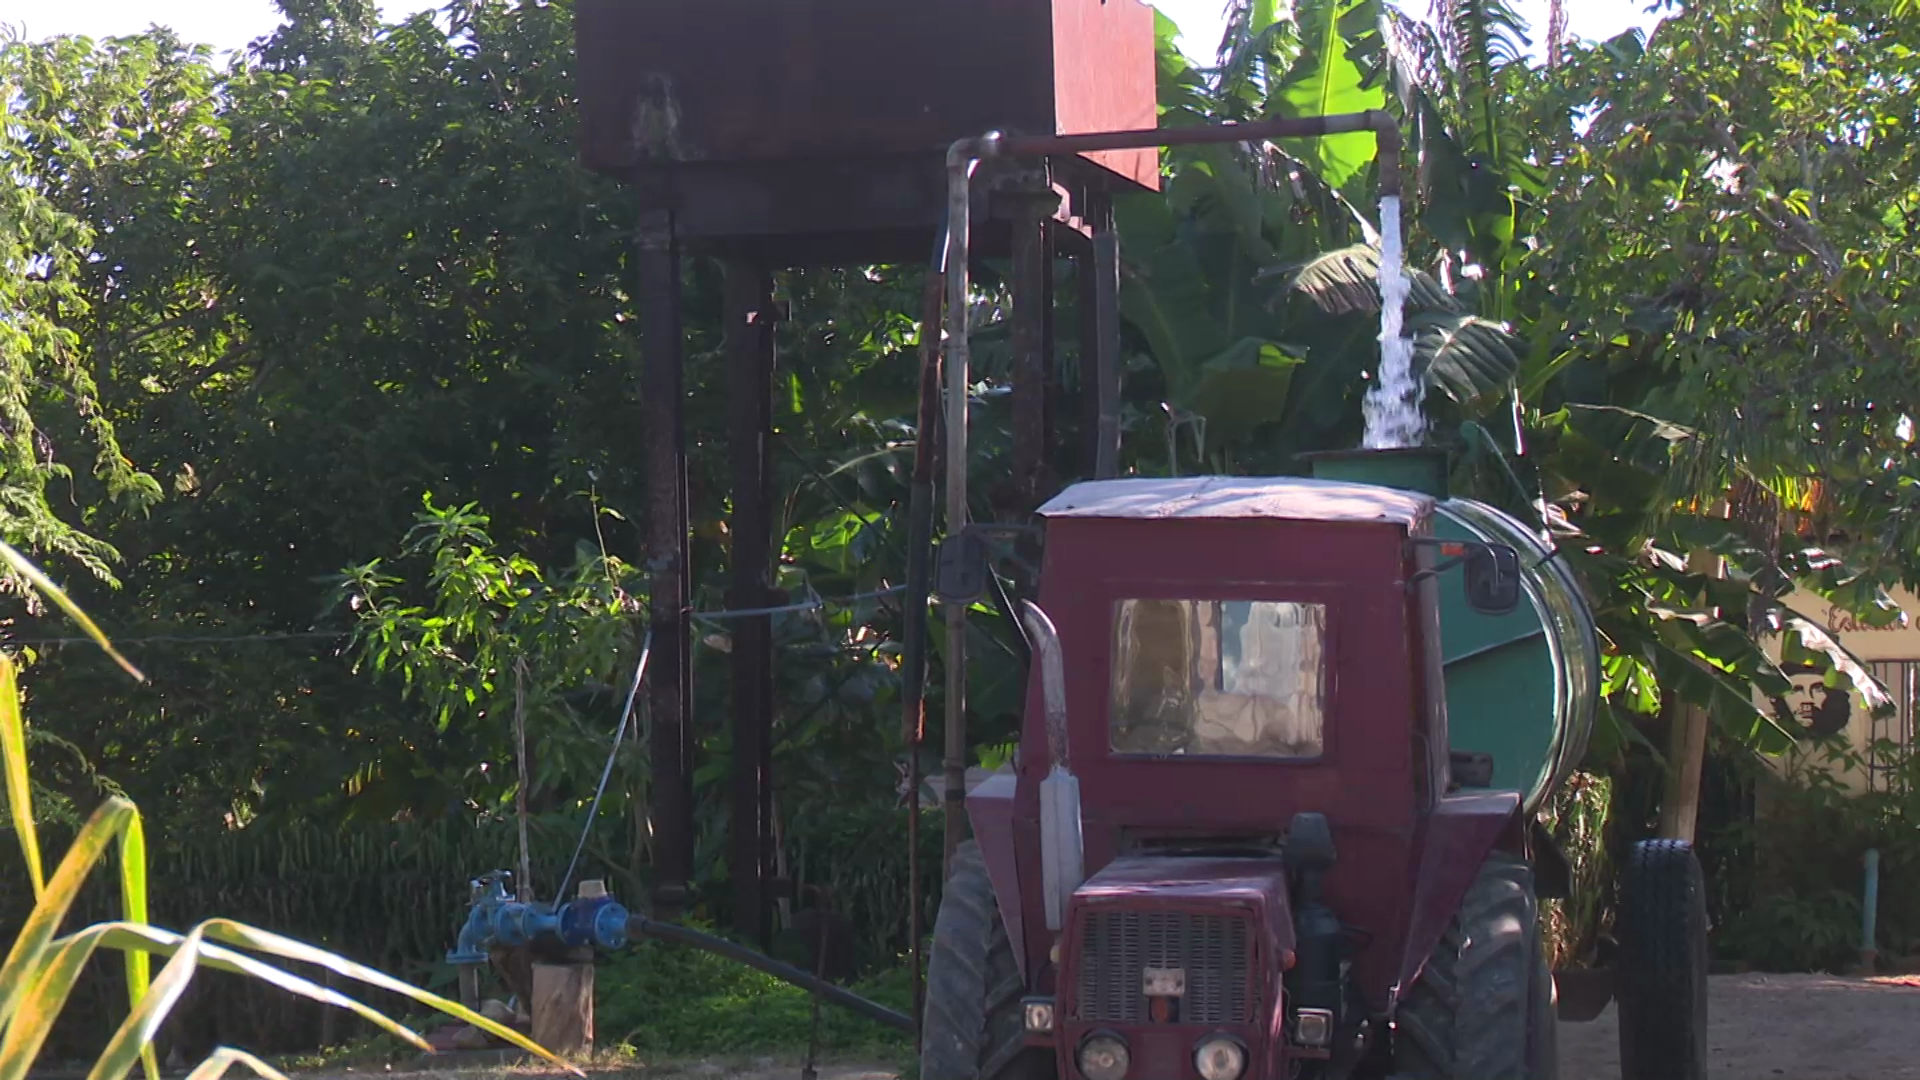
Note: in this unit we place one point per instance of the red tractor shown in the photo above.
(1273, 813)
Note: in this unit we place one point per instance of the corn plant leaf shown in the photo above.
(29, 1025)
(217, 1063)
(13, 744)
(44, 584)
(137, 937)
(133, 908)
(23, 962)
(143, 1023)
(286, 948)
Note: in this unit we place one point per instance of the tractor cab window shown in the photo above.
(1219, 678)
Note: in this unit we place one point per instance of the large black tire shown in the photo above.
(1662, 964)
(1477, 1011)
(973, 1028)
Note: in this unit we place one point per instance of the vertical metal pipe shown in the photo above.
(1106, 360)
(657, 259)
(1870, 912)
(913, 665)
(1087, 304)
(750, 360)
(961, 160)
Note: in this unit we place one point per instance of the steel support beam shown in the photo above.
(1032, 347)
(657, 266)
(750, 318)
(1100, 368)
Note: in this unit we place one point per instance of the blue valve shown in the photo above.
(599, 921)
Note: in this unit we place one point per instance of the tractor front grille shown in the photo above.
(1116, 948)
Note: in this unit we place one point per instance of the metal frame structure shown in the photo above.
(790, 168)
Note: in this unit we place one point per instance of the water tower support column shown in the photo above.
(750, 319)
(1099, 274)
(657, 273)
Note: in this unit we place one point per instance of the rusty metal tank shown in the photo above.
(813, 117)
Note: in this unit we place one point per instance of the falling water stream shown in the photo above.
(1392, 407)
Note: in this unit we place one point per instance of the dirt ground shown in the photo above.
(1807, 1027)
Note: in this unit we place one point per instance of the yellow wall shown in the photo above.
(1891, 653)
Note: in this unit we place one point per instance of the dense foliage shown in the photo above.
(328, 355)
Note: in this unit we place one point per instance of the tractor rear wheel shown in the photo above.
(973, 1028)
(1477, 1011)
(1662, 963)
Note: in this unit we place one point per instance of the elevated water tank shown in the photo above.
(812, 117)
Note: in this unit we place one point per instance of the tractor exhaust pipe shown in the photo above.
(1062, 858)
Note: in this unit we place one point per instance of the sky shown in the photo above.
(229, 24)
(1201, 21)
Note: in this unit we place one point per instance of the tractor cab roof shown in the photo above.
(1286, 498)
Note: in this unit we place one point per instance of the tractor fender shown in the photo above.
(990, 811)
(1454, 841)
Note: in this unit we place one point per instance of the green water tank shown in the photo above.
(1521, 687)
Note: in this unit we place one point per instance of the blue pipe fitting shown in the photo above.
(497, 920)
(489, 893)
(516, 924)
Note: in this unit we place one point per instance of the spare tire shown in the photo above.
(1662, 964)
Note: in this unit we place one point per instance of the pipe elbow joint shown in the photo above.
(962, 155)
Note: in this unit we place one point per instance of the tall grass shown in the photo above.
(43, 965)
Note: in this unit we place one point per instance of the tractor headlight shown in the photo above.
(1039, 1016)
(1313, 1027)
(1104, 1056)
(1220, 1057)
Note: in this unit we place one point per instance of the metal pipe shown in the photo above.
(1305, 127)
(913, 664)
(1053, 677)
(642, 926)
(1870, 912)
(961, 160)
(1103, 263)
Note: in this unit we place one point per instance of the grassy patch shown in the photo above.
(671, 1001)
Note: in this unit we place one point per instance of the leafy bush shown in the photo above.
(41, 968)
(1800, 861)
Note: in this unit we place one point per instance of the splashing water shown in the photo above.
(1392, 407)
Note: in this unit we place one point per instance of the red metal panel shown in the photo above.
(990, 810)
(1457, 838)
(1100, 50)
